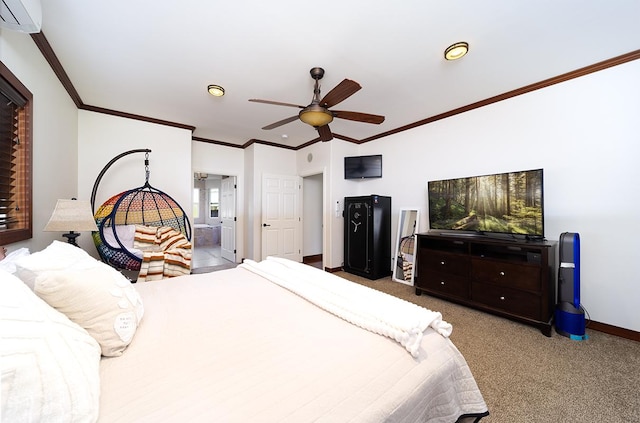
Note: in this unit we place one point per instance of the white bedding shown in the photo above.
(382, 314)
(230, 346)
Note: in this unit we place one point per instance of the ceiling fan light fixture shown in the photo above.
(315, 116)
(215, 90)
(456, 51)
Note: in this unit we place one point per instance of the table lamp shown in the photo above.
(73, 216)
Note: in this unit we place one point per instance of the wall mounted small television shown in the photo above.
(502, 203)
(362, 167)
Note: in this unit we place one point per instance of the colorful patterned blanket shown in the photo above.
(165, 252)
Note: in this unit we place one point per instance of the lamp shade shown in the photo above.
(71, 215)
(315, 116)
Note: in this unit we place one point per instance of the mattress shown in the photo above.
(231, 346)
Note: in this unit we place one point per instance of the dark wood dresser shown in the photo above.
(510, 278)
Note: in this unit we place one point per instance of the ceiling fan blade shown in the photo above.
(340, 92)
(277, 103)
(281, 122)
(325, 133)
(357, 116)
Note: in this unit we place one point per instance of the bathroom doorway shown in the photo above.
(214, 210)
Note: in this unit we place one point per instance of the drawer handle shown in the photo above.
(442, 263)
(501, 298)
(501, 273)
(441, 282)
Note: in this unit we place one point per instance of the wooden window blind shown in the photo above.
(15, 160)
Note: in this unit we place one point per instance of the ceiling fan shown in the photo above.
(317, 114)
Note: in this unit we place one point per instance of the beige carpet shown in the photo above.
(525, 376)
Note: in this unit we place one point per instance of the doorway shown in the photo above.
(312, 219)
(214, 206)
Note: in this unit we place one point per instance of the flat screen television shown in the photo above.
(361, 167)
(502, 203)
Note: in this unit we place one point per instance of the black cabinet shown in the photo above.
(367, 236)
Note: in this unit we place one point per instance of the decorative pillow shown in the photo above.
(9, 262)
(49, 366)
(89, 292)
(100, 300)
(57, 256)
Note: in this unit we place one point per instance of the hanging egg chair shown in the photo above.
(117, 217)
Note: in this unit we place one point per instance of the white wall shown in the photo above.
(316, 160)
(312, 215)
(340, 188)
(583, 134)
(249, 238)
(102, 137)
(55, 138)
(328, 157)
(264, 160)
(222, 160)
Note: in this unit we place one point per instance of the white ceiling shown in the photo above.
(155, 58)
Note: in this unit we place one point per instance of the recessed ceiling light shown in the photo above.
(215, 90)
(456, 51)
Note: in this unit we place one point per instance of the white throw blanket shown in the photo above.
(367, 308)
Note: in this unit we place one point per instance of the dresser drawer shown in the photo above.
(441, 262)
(510, 300)
(443, 283)
(519, 276)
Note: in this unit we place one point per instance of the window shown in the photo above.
(214, 202)
(196, 203)
(16, 111)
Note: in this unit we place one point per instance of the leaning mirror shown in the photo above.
(405, 246)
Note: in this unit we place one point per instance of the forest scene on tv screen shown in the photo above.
(504, 203)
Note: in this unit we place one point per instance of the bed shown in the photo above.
(275, 341)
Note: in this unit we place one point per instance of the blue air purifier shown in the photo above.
(569, 314)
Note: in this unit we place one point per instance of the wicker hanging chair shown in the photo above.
(144, 205)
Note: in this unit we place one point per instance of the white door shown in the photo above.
(228, 218)
(281, 225)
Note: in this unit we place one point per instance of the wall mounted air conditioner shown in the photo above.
(21, 15)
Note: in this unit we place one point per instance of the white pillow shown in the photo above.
(57, 256)
(89, 292)
(9, 262)
(49, 366)
(99, 299)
